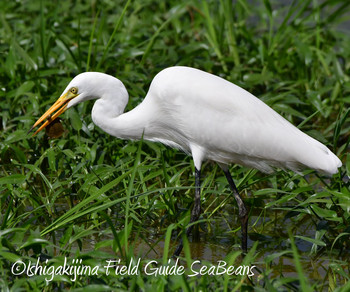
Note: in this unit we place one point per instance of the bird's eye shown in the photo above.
(74, 90)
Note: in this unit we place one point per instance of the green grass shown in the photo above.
(90, 196)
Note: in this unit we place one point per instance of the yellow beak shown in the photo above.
(60, 106)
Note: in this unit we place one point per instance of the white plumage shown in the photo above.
(206, 116)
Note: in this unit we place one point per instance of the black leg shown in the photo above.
(196, 210)
(242, 210)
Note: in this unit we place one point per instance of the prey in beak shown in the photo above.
(59, 107)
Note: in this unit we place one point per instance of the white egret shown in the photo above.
(203, 115)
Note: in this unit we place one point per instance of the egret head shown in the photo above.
(85, 86)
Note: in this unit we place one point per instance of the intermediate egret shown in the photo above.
(203, 115)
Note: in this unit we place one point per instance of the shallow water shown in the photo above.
(271, 232)
(218, 237)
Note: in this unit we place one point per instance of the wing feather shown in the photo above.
(230, 124)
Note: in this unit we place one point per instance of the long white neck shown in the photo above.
(107, 113)
(111, 99)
